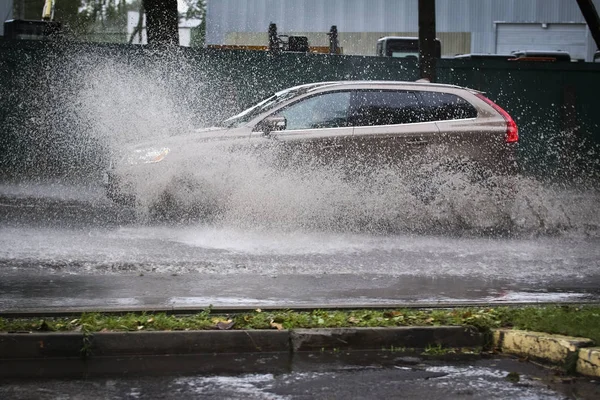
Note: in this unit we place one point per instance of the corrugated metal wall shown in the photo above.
(6, 13)
(234, 18)
(551, 37)
(361, 43)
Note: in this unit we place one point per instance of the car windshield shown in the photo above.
(265, 105)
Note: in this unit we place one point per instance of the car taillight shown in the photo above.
(512, 132)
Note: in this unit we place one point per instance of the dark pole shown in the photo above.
(427, 39)
(162, 22)
(591, 18)
(333, 40)
(273, 38)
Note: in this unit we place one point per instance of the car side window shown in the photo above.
(328, 110)
(446, 106)
(384, 107)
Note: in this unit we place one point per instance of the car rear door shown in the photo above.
(466, 131)
(389, 126)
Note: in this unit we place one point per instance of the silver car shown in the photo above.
(355, 122)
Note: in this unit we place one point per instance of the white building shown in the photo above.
(6, 13)
(463, 26)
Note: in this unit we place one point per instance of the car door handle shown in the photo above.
(419, 142)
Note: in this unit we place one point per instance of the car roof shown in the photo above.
(381, 39)
(319, 85)
(398, 37)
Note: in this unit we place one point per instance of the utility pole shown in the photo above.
(273, 38)
(333, 40)
(427, 59)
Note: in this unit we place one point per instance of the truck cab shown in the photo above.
(403, 47)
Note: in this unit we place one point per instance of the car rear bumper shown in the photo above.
(499, 160)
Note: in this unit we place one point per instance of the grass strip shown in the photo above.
(583, 321)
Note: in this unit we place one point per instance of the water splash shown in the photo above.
(106, 104)
(223, 184)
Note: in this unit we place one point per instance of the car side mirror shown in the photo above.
(273, 123)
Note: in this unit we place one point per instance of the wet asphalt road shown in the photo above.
(69, 248)
(310, 376)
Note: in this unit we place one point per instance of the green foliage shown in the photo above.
(583, 321)
(438, 350)
(198, 35)
(573, 321)
(84, 20)
(197, 10)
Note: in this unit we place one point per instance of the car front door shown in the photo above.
(317, 130)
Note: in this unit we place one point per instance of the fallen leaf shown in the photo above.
(225, 325)
(276, 325)
(353, 320)
(139, 328)
(392, 314)
(150, 320)
(258, 310)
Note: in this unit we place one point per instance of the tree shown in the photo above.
(197, 10)
(162, 22)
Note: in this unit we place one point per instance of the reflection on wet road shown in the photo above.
(70, 247)
(275, 376)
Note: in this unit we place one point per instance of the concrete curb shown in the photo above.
(77, 355)
(588, 362)
(573, 354)
(117, 344)
(407, 337)
(19, 350)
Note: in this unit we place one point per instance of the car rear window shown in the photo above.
(384, 107)
(446, 106)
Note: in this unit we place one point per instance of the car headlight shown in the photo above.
(147, 156)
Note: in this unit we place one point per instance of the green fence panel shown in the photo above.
(44, 129)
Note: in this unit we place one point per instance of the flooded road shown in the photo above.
(68, 247)
(338, 376)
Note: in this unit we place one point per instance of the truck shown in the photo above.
(403, 47)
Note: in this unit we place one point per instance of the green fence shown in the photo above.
(45, 127)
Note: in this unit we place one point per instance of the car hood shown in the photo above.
(195, 137)
(210, 134)
(178, 145)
